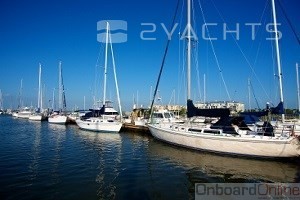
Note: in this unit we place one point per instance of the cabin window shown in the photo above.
(111, 113)
(158, 115)
(212, 131)
(167, 115)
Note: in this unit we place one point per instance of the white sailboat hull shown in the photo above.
(37, 117)
(57, 119)
(254, 146)
(24, 115)
(101, 125)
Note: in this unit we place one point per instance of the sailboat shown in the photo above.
(292, 125)
(22, 112)
(229, 135)
(105, 119)
(39, 115)
(59, 117)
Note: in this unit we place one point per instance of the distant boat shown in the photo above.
(24, 113)
(106, 118)
(230, 135)
(15, 113)
(59, 117)
(25, 110)
(38, 115)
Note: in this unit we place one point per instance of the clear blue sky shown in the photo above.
(44, 31)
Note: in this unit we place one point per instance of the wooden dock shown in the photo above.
(135, 128)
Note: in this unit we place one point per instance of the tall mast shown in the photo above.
(150, 95)
(60, 100)
(105, 64)
(115, 76)
(189, 49)
(277, 54)
(42, 96)
(39, 92)
(63, 94)
(298, 94)
(204, 89)
(20, 95)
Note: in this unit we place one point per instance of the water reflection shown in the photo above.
(229, 169)
(58, 128)
(58, 137)
(48, 161)
(108, 148)
(104, 138)
(35, 152)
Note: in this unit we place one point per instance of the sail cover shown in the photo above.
(273, 110)
(216, 112)
(95, 112)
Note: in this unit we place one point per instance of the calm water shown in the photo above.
(45, 161)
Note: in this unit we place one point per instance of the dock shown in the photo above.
(135, 128)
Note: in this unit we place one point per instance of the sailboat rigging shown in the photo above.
(39, 115)
(105, 119)
(230, 135)
(59, 117)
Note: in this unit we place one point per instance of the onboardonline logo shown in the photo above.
(247, 191)
(117, 29)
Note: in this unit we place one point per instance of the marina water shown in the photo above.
(39, 160)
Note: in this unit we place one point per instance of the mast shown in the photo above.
(60, 100)
(20, 95)
(298, 94)
(189, 49)
(278, 54)
(43, 96)
(63, 96)
(204, 89)
(115, 75)
(105, 64)
(39, 92)
(150, 95)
